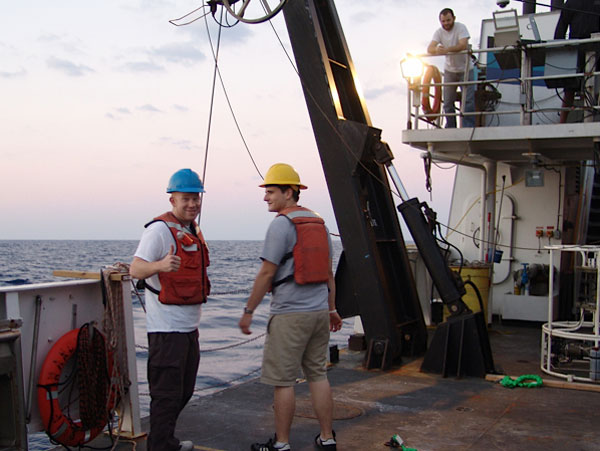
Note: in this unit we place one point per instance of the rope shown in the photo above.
(526, 380)
(225, 384)
(139, 296)
(427, 164)
(223, 293)
(234, 345)
(114, 328)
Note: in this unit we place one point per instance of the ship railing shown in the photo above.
(530, 103)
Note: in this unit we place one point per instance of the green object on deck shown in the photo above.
(526, 380)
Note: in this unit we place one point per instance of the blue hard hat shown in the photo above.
(185, 181)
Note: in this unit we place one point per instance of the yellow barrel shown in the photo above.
(480, 276)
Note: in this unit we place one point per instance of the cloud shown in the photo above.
(123, 110)
(178, 52)
(232, 33)
(181, 108)
(67, 43)
(49, 37)
(18, 74)
(68, 67)
(142, 66)
(149, 108)
(182, 144)
(373, 93)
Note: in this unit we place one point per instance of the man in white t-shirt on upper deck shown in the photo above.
(450, 38)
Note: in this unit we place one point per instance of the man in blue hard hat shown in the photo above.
(172, 258)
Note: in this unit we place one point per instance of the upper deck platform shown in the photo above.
(515, 145)
(519, 89)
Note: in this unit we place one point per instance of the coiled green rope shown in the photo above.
(526, 380)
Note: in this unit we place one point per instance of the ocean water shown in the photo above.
(227, 356)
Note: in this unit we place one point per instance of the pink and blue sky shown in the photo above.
(103, 101)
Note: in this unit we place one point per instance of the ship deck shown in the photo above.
(429, 412)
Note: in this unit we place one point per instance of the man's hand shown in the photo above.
(335, 322)
(171, 262)
(245, 322)
(441, 50)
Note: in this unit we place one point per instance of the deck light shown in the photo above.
(412, 68)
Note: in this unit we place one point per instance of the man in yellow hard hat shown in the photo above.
(297, 269)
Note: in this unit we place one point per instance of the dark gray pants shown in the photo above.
(173, 360)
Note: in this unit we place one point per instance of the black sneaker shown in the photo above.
(327, 444)
(269, 446)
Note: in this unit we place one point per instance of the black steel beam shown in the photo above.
(374, 278)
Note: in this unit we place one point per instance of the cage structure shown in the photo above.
(570, 348)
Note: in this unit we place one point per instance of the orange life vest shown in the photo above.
(190, 284)
(311, 251)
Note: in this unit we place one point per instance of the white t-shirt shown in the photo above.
(454, 62)
(155, 243)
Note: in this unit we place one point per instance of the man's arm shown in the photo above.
(435, 48)
(142, 269)
(563, 24)
(432, 48)
(261, 286)
(335, 321)
(463, 43)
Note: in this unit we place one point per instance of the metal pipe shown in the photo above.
(397, 182)
(482, 220)
(483, 170)
(32, 365)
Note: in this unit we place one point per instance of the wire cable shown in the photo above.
(176, 21)
(210, 110)
(229, 103)
(561, 7)
(333, 128)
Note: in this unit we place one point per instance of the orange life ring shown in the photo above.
(59, 426)
(431, 73)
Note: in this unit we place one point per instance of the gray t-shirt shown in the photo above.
(290, 297)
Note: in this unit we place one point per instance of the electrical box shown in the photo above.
(561, 61)
(534, 178)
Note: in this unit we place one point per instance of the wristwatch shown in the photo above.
(248, 311)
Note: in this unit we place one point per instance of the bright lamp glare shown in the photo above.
(411, 67)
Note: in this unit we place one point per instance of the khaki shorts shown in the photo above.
(294, 341)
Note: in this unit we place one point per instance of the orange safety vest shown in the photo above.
(311, 251)
(190, 284)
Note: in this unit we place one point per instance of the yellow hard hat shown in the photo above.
(282, 174)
